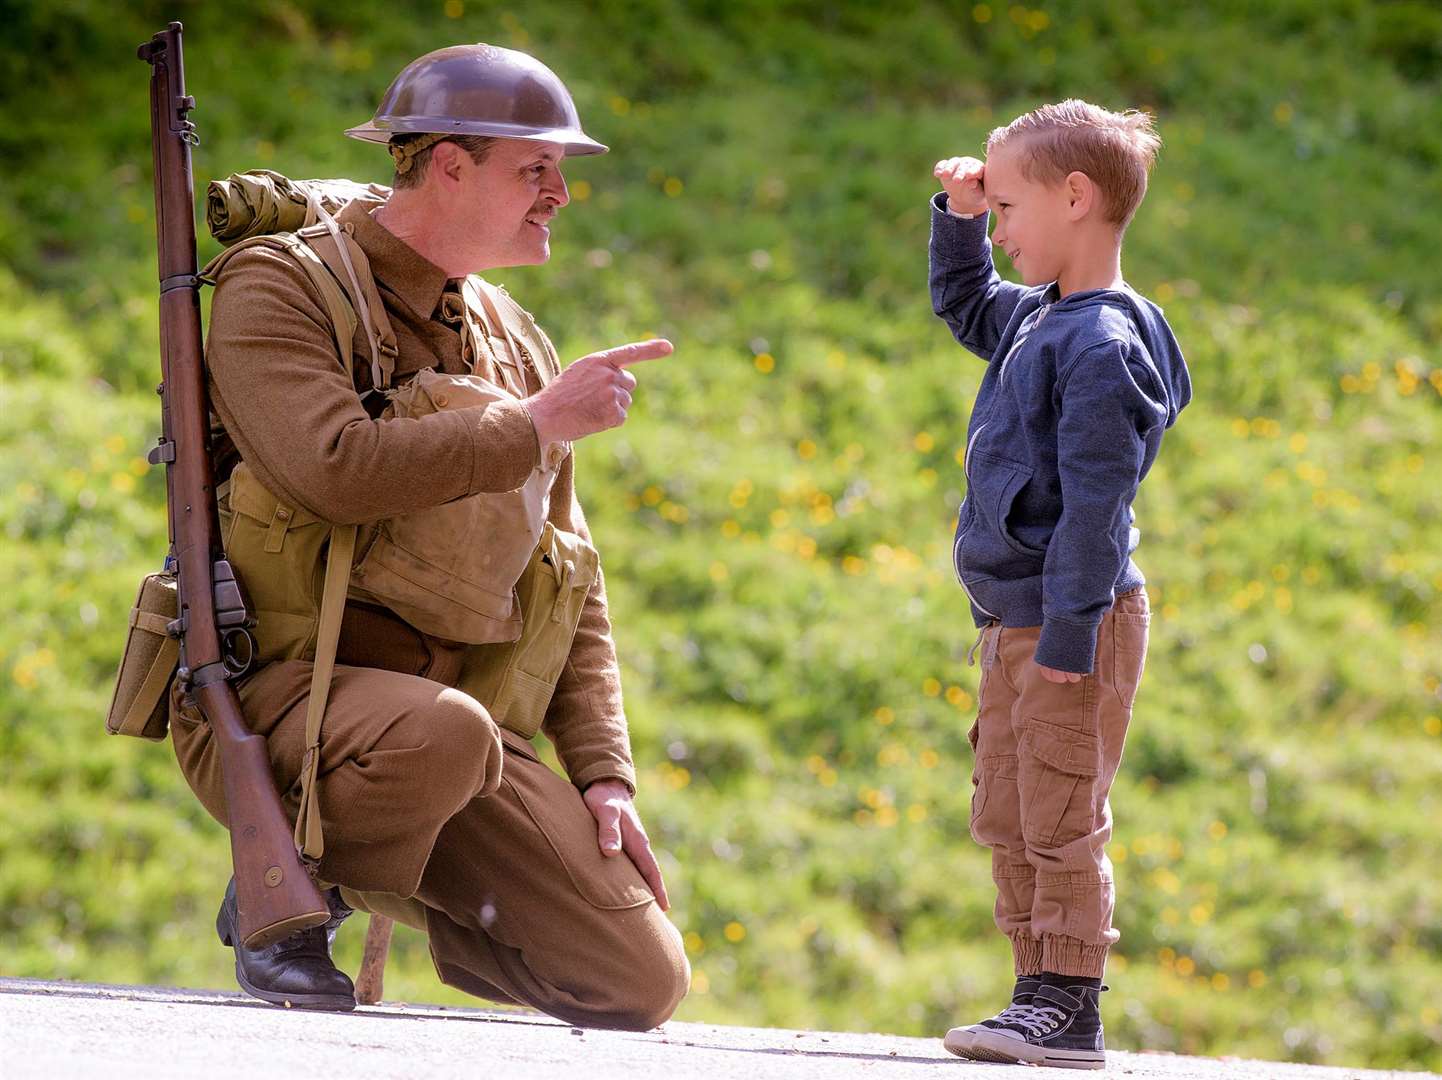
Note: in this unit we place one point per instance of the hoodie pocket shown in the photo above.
(995, 484)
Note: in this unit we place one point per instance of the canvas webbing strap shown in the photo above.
(484, 293)
(308, 836)
(382, 360)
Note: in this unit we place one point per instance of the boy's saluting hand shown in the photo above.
(963, 180)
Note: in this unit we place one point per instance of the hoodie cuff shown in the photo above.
(954, 239)
(1067, 646)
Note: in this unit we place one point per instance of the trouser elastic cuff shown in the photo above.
(1026, 952)
(1071, 956)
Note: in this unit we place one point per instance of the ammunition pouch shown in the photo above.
(140, 704)
(279, 552)
(515, 680)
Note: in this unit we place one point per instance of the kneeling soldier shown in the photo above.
(368, 383)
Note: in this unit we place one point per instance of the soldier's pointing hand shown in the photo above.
(593, 394)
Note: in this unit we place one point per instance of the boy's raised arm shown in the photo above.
(966, 291)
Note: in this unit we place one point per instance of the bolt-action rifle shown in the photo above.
(275, 896)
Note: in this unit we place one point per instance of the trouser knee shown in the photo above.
(646, 986)
(460, 753)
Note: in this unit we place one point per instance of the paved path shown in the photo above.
(61, 1030)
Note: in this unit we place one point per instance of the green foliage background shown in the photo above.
(776, 516)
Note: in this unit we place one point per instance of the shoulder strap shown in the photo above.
(341, 273)
(308, 836)
(341, 311)
(342, 256)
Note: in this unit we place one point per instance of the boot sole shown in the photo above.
(225, 930)
(986, 1046)
(318, 1002)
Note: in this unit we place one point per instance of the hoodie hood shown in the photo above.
(1172, 388)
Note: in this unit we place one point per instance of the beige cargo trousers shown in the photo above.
(1046, 756)
(438, 818)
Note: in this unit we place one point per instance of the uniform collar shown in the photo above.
(408, 274)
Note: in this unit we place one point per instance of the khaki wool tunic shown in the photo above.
(293, 414)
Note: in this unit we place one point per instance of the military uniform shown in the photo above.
(431, 814)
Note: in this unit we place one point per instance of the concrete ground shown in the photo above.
(59, 1030)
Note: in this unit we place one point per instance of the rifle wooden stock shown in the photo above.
(274, 895)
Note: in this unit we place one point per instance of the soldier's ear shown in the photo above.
(446, 160)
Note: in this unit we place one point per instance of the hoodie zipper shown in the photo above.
(1022, 335)
(956, 547)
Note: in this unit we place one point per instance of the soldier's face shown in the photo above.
(504, 205)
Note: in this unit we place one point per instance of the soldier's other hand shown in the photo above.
(593, 394)
(964, 181)
(618, 829)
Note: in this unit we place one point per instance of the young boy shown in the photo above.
(1084, 376)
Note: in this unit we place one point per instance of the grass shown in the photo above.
(775, 518)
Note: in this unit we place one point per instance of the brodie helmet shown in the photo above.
(479, 90)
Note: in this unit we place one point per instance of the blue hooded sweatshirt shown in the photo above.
(1068, 420)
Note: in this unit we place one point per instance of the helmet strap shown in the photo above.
(404, 153)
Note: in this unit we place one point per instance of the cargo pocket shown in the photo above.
(607, 882)
(993, 800)
(1059, 767)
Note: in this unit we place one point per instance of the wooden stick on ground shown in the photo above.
(373, 962)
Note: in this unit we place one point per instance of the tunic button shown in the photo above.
(283, 514)
(442, 400)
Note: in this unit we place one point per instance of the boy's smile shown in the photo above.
(1051, 231)
(1033, 223)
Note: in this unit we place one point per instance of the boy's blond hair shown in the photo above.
(1115, 149)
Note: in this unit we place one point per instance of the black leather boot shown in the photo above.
(295, 971)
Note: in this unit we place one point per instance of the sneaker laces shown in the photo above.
(1041, 1019)
(1013, 1014)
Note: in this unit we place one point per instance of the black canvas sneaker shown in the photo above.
(1060, 1027)
(1026, 987)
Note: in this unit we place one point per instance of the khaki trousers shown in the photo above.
(1046, 756)
(436, 817)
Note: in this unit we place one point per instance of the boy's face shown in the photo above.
(1034, 220)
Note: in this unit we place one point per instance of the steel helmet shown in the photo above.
(479, 90)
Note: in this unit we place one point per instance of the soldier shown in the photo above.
(531, 888)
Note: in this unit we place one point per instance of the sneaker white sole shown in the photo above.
(984, 1045)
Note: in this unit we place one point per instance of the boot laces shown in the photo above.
(309, 940)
